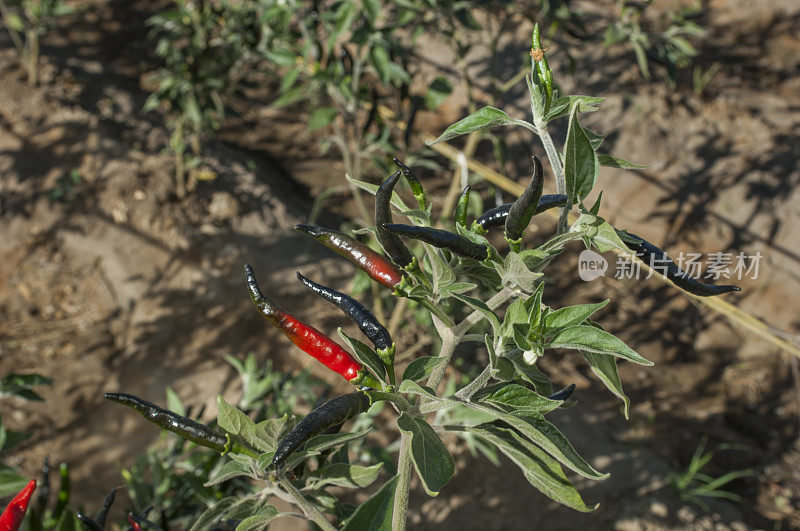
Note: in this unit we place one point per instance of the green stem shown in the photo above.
(435, 310)
(400, 510)
(311, 512)
(558, 170)
(467, 391)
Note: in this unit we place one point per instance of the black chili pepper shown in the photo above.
(88, 522)
(664, 265)
(563, 394)
(102, 513)
(334, 411)
(392, 243)
(356, 311)
(496, 216)
(171, 421)
(378, 267)
(413, 183)
(441, 238)
(461, 207)
(523, 209)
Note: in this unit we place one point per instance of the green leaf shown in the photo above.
(344, 475)
(571, 315)
(600, 232)
(11, 483)
(411, 387)
(439, 90)
(605, 368)
(591, 339)
(457, 288)
(174, 402)
(562, 106)
(230, 418)
(517, 273)
(581, 167)
(323, 442)
(258, 521)
(365, 355)
(616, 162)
(264, 435)
(532, 374)
(596, 139)
(519, 398)
(375, 514)
(483, 308)
(372, 188)
(422, 367)
(321, 117)
(479, 120)
(541, 470)
(213, 514)
(230, 469)
(434, 464)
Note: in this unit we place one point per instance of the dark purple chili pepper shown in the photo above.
(378, 267)
(496, 216)
(523, 209)
(461, 207)
(334, 411)
(442, 239)
(413, 183)
(663, 264)
(102, 513)
(88, 522)
(563, 394)
(392, 243)
(185, 427)
(356, 311)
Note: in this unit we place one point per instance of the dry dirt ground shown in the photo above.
(116, 285)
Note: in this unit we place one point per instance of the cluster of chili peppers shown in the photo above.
(390, 272)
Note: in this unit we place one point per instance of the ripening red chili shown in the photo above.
(307, 338)
(12, 517)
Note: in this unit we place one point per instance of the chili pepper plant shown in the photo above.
(475, 292)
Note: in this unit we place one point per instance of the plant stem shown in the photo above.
(400, 510)
(558, 171)
(449, 343)
(467, 391)
(308, 509)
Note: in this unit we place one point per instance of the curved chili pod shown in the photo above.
(306, 337)
(563, 394)
(14, 513)
(523, 209)
(88, 521)
(392, 243)
(378, 267)
(461, 207)
(334, 411)
(442, 239)
(413, 183)
(663, 264)
(496, 216)
(169, 420)
(356, 311)
(102, 513)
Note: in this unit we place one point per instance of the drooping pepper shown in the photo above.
(413, 183)
(378, 267)
(14, 513)
(563, 394)
(523, 209)
(664, 265)
(461, 207)
(495, 217)
(360, 315)
(442, 239)
(99, 521)
(169, 420)
(333, 412)
(392, 243)
(307, 338)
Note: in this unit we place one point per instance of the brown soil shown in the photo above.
(117, 285)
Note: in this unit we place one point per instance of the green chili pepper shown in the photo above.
(331, 413)
(461, 207)
(523, 209)
(542, 75)
(168, 420)
(414, 184)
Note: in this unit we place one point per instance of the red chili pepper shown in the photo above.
(378, 267)
(309, 339)
(134, 524)
(12, 517)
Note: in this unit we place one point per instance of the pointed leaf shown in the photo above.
(605, 368)
(422, 367)
(434, 464)
(581, 167)
(375, 514)
(571, 315)
(477, 121)
(591, 339)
